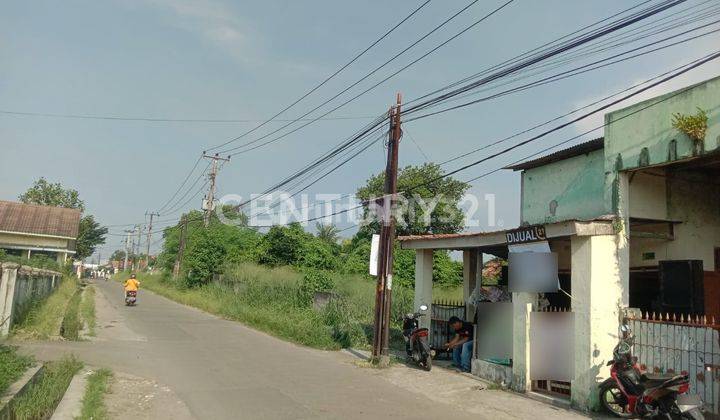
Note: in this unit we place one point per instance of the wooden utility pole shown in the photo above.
(181, 247)
(149, 236)
(209, 204)
(383, 293)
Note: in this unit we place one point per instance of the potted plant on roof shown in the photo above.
(694, 126)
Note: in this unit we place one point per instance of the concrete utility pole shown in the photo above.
(209, 204)
(127, 246)
(149, 236)
(383, 293)
(181, 247)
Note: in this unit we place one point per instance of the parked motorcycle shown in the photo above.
(130, 297)
(416, 339)
(630, 393)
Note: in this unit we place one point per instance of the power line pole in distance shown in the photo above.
(181, 247)
(149, 236)
(209, 203)
(383, 293)
(127, 246)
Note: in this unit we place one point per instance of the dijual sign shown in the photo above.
(526, 234)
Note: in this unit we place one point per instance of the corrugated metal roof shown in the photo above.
(41, 220)
(578, 149)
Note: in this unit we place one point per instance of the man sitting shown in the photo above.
(462, 344)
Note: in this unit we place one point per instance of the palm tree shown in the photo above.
(328, 233)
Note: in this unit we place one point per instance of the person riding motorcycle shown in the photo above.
(132, 284)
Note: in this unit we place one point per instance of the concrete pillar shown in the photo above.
(470, 275)
(622, 240)
(523, 304)
(597, 289)
(423, 283)
(8, 276)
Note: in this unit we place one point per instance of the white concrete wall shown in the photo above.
(19, 286)
(523, 304)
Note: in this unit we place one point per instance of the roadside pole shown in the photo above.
(136, 260)
(127, 246)
(181, 247)
(383, 293)
(209, 204)
(149, 236)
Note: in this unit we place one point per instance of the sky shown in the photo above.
(215, 59)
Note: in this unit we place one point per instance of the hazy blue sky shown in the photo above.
(216, 59)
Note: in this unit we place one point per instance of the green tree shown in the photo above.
(327, 232)
(52, 194)
(117, 255)
(90, 233)
(445, 217)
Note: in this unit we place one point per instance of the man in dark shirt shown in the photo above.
(462, 343)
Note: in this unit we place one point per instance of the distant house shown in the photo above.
(28, 229)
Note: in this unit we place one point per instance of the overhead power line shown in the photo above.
(318, 86)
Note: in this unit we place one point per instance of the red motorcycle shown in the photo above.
(630, 393)
(416, 340)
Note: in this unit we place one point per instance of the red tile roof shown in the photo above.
(42, 220)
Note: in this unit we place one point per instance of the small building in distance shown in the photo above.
(29, 229)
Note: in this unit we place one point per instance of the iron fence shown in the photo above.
(441, 312)
(678, 343)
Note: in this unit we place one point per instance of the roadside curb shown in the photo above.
(70, 405)
(18, 388)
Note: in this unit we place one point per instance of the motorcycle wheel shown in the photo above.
(614, 400)
(427, 364)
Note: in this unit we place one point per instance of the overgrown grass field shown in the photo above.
(279, 301)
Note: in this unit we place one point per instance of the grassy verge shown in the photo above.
(87, 309)
(12, 366)
(44, 318)
(41, 399)
(71, 323)
(93, 403)
(268, 299)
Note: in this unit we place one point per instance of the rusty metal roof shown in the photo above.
(578, 149)
(40, 220)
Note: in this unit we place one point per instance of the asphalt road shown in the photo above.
(221, 369)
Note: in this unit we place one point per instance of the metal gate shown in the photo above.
(441, 312)
(676, 343)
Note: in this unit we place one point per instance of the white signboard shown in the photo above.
(374, 249)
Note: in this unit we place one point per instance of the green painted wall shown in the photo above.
(574, 187)
(651, 129)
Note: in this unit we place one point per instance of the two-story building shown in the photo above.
(634, 220)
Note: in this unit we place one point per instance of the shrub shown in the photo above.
(314, 281)
(204, 257)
